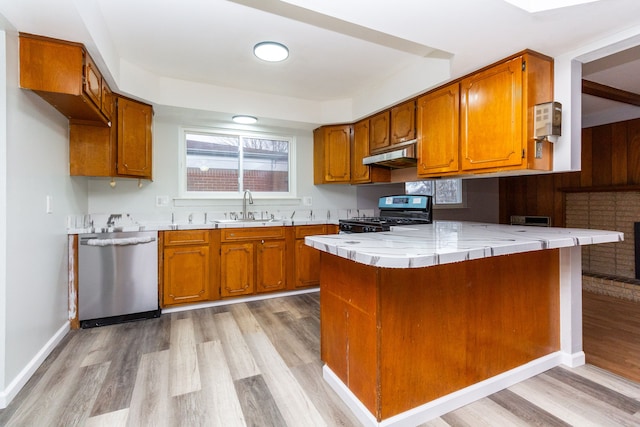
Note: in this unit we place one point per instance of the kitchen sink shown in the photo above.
(248, 221)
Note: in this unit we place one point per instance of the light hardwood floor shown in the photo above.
(257, 364)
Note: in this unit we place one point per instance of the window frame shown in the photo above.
(436, 205)
(240, 133)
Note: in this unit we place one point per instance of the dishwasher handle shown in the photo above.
(124, 241)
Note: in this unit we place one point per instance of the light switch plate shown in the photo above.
(306, 200)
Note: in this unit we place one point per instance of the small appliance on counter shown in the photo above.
(394, 210)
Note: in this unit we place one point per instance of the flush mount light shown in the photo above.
(245, 120)
(271, 51)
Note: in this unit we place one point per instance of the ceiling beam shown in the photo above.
(608, 92)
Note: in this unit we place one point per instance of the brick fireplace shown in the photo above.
(608, 269)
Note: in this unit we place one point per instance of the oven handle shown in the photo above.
(124, 241)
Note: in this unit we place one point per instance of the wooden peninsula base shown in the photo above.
(421, 320)
(399, 338)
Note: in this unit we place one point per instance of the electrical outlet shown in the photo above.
(162, 201)
(49, 201)
(306, 200)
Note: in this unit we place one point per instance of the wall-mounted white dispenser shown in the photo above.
(547, 120)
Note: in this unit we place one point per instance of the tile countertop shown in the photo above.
(446, 242)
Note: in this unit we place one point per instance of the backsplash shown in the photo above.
(608, 268)
(80, 223)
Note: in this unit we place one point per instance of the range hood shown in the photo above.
(402, 157)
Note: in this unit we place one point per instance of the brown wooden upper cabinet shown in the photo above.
(64, 75)
(392, 127)
(403, 122)
(438, 131)
(109, 135)
(360, 173)
(496, 117)
(379, 139)
(124, 150)
(134, 138)
(332, 154)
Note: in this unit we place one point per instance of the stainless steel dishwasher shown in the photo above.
(117, 277)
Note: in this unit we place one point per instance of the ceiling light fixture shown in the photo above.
(245, 120)
(271, 51)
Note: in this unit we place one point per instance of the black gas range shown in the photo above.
(394, 210)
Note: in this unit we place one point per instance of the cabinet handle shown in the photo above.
(262, 241)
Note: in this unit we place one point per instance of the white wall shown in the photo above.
(126, 197)
(482, 200)
(3, 208)
(35, 274)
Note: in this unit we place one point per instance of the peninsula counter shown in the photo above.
(421, 320)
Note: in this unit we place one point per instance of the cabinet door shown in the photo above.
(108, 101)
(186, 275)
(492, 117)
(92, 82)
(379, 132)
(271, 265)
(134, 138)
(362, 174)
(307, 265)
(403, 122)
(438, 120)
(236, 269)
(332, 154)
(360, 150)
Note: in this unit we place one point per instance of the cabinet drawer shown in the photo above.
(186, 237)
(252, 233)
(310, 230)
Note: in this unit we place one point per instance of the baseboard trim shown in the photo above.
(573, 360)
(8, 394)
(448, 403)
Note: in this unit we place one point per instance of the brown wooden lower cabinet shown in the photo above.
(237, 273)
(252, 260)
(206, 265)
(189, 266)
(307, 259)
(271, 263)
(400, 338)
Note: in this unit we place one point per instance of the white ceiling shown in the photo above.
(340, 49)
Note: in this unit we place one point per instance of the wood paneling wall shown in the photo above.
(610, 162)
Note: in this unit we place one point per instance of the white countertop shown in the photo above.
(446, 242)
(209, 225)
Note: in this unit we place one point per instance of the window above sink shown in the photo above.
(222, 163)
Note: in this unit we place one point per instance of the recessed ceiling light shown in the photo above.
(245, 120)
(271, 51)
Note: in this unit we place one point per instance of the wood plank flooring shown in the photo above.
(257, 364)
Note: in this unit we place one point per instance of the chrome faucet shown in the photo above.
(244, 203)
(112, 219)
